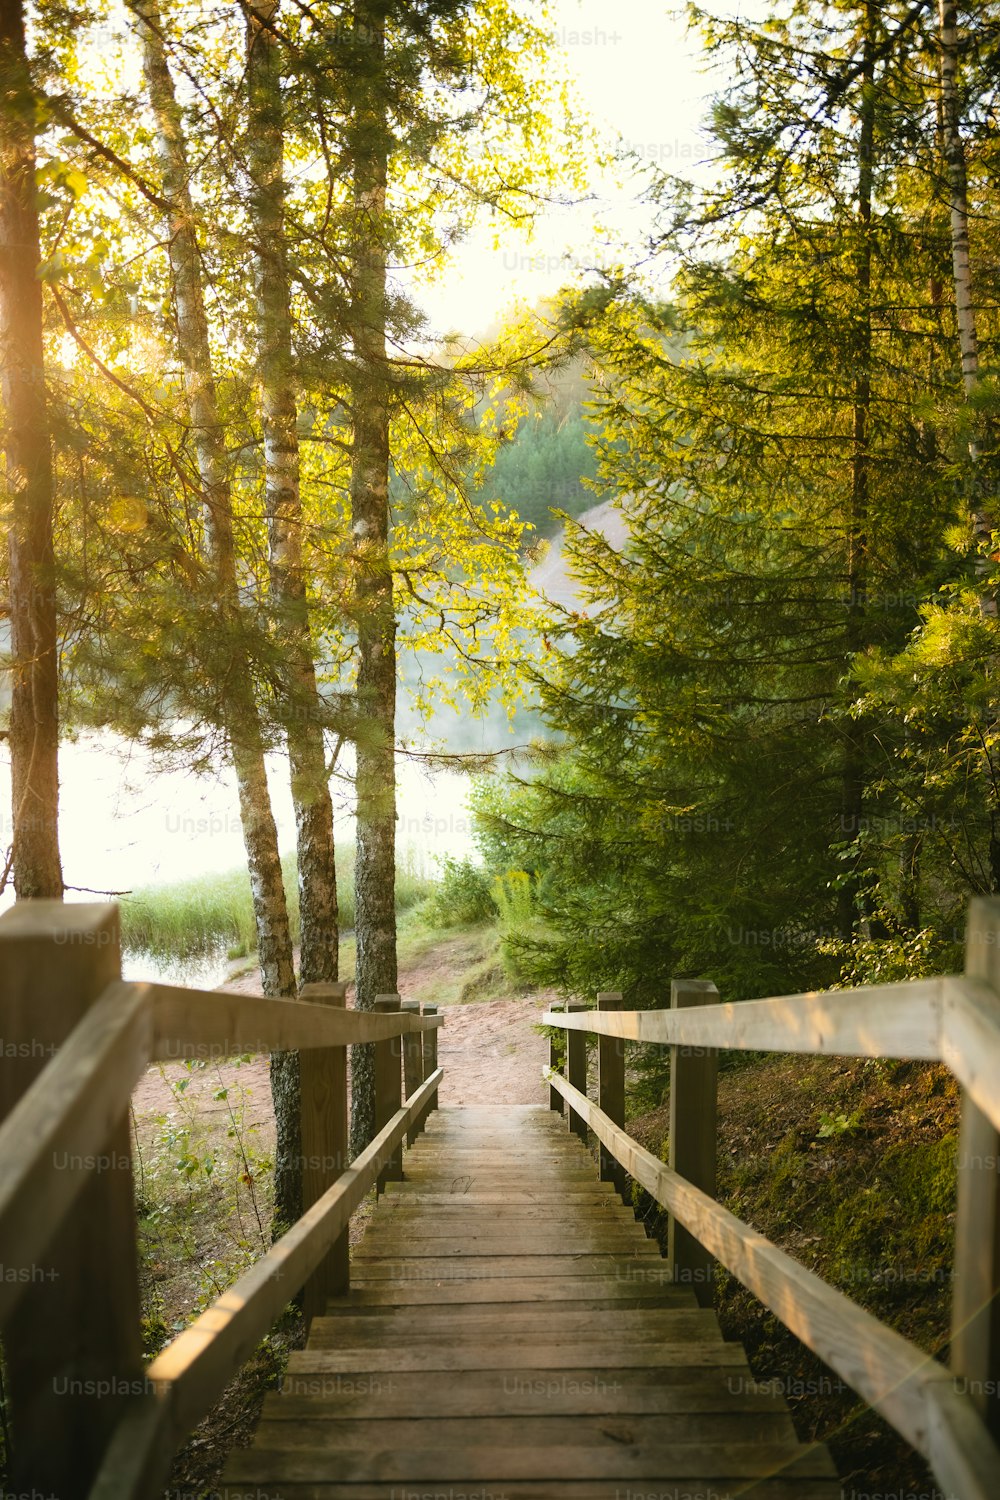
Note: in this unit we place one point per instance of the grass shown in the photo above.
(207, 913)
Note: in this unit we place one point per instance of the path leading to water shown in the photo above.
(489, 1049)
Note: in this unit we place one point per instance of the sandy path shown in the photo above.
(489, 1050)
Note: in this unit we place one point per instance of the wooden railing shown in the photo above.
(88, 1418)
(950, 1415)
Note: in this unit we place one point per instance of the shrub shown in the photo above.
(461, 897)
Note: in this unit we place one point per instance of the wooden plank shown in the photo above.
(534, 1290)
(700, 1486)
(411, 1193)
(325, 1149)
(413, 1064)
(625, 1266)
(509, 1461)
(970, 1037)
(599, 1354)
(576, 1071)
(975, 1322)
(498, 1244)
(557, 1061)
(66, 1118)
(344, 1330)
(607, 1214)
(388, 1087)
(489, 1393)
(877, 1020)
(693, 1130)
(213, 1024)
(890, 1373)
(430, 1057)
(190, 1374)
(323, 1434)
(72, 1348)
(611, 1091)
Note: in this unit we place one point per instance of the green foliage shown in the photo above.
(549, 466)
(191, 1177)
(462, 895)
(208, 913)
(774, 701)
(831, 1125)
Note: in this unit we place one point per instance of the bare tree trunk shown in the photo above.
(375, 617)
(34, 712)
(317, 872)
(242, 720)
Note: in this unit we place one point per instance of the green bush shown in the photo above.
(514, 894)
(461, 897)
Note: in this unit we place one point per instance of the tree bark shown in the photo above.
(317, 872)
(375, 618)
(853, 780)
(953, 150)
(240, 714)
(34, 711)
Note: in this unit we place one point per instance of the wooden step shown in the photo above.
(631, 1266)
(570, 1292)
(489, 1394)
(511, 1330)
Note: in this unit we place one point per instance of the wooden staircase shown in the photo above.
(511, 1332)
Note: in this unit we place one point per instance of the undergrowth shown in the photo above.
(207, 913)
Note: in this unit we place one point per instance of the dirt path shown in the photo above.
(489, 1050)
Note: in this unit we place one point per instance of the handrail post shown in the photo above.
(388, 1081)
(430, 1046)
(611, 1090)
(72, 1344)
(576, 1071)
(325, 1150)
(413, 1065)
(692, 1151)
(557, 1058)
(975, 1330)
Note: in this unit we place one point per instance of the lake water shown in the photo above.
(125, 822)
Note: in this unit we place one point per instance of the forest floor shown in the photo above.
(849, 1166)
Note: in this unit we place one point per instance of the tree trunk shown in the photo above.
(240, 714)
(375, 618)
(853, 780)
(34, 711)
(953, 148)
(317, 871)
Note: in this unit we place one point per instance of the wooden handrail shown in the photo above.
(54, 1137)
(187, 1378)
(68, 1111)
(952, 1416)
(952, 1019)
(77, 1039)
(214, 1023)
(877, 1020)
(910, 1389)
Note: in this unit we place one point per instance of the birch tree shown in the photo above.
(242, 723)
(374, 610)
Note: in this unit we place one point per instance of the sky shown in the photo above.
(637, 75)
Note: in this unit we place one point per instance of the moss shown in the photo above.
(869, 1208)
